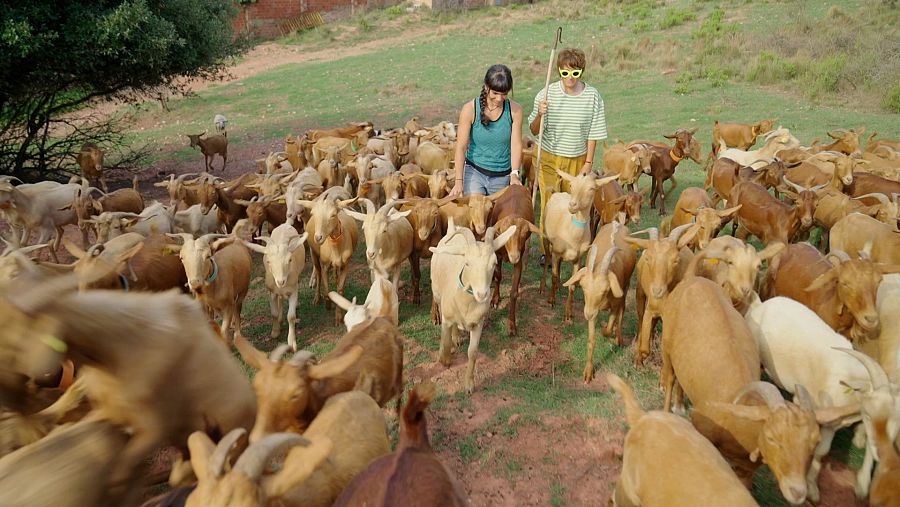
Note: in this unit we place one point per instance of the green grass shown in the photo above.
(660, 66)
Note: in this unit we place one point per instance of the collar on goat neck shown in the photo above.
(215, 273)
(578, 223)
(340, 232)
(460, 282)
(676, 158)
(123, 281)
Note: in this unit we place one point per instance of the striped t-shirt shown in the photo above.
(571, 120)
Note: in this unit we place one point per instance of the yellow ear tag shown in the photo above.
(55, 343)
(635, 247)
(712, 261)
(784, 139)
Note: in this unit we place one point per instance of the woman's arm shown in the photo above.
(463, 131)
(515, 141)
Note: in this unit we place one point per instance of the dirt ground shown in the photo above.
(544, 460)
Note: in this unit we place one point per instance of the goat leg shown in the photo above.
(415, 278)
(495, 284)
(435, 313)
(292, 321)
(812, 476)
(667, 379)
(514, 297)
(275, 310)
(570, 299)
(554, 285)
(341, 280)
(592, 336)
(864, 476)
(474, 339)
(227, 317)
(446, 343)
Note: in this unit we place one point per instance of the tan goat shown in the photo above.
(566, 233)
(290, 393)
(461, 272)
(218, 273)
(284, 257)
(667, 463)
(210, 147)
(381, 301)
(90, 160)
(345, 437)
(389, 238)
(605, 288)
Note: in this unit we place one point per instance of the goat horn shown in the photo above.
(840, 255)
(279, 351)
(489, 235)
(793, 185)
(876, 372)
(803, 398)
(768, 392)
(652, 231)
(223, 449)
(302, 357)
(592, 256)
(678, 231)
(607, 260)
(370, 206)
(878, 195)
(818, 187)
(254, 459)
(387, 206)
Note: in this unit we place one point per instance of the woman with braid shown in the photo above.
(575, 122)
(489, 138)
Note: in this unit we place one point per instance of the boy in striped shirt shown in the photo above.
(575, 122)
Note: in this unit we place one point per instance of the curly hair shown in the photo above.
(499, 79)
(571, 58)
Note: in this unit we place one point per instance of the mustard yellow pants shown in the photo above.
(549, 182)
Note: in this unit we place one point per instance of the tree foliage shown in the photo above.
(56, 56)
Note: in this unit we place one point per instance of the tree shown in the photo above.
(58, 56)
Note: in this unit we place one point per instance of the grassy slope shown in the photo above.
(433, 74)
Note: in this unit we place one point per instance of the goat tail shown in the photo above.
(633, 410)
(412, 419)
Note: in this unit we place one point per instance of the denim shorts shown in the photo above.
(475, 182)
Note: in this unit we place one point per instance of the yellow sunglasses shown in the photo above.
(576, 73)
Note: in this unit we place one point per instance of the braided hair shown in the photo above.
(499, 79)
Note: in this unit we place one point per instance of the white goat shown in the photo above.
(193, 221)
(461, 273)
(284, 258)
(778, 139)
(381, 301)
(886, 349)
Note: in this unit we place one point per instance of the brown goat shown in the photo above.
(347, 132)
(769, 219)
(845, 141)
(739, 135)
(665, 159)
(90, 160)
(412, 474)
(612, 203)
(105, 331)
(841, 292)
(369, 358)
(513, 208)
(226, 195)
(867, 183)
(210, 147)
(695, 207)
(428, 229)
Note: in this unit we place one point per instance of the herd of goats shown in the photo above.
(128, 348)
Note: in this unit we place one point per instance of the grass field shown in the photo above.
(659, 65)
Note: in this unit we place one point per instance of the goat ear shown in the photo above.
(253, 357)
(771, 250)
(355, 215)
(618, 200)
(201, 448)
(688, 235)
(614, 285)
(336, 366)
(253, 246)
(400, 214)
(501, 240)
(637, 242)
(342, 302)
(749, 412)
(821, 280)
(575, 278)
(837, 416)
(533, 228)
(299, 465)
(297, 242)
(222, 243)
(73, 249)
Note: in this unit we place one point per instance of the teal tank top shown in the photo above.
(489, 147)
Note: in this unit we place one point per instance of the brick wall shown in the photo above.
(265, 17)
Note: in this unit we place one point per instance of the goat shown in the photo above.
(605, 289)
(389, 238)
(857, 233)
(40, 208)
(155, 218)
(665, 159)
(428, 229)
(695, 207)
(628, 164)
(290, 394)
(709, 352)
(461, 270)
(381, 301)
(210, 147)
(194, 222)
(566, 234)
(346, 436)
(105, 331)
(886, 348)
(663, 458)
(840, 290)
(513, 207)
(739, 135)
(90, 160)
(613, 204)
(284, 257)
(180, 190)
(659, 269)
(769, 219)
(733, 265)
(412, 474)
(776, 140)
(225, 195)
(218, 274)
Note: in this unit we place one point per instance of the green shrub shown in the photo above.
(891, 99)
(363, 24)
(641, 25)
(824, 75)
(676, 17)
(713, 27)
(771, 68)
(395, 11)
